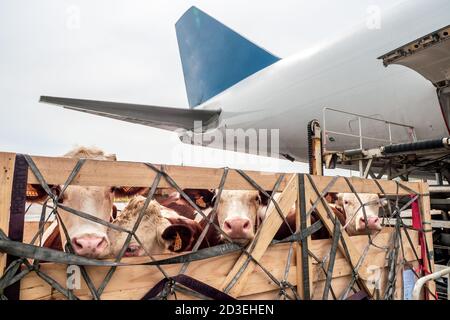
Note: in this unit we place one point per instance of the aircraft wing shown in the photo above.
(159, 117)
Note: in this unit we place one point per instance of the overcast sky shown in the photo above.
(126, 51)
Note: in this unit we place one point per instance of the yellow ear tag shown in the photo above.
(200, 202)
(178, 243)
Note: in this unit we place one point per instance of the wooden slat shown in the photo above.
(123, 173)
(6, 181)
(408, 222)
(364, 185)
(354, 253)
(426, 219)
(134, 279)
(132, 282)
(267, 232)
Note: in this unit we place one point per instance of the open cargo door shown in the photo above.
(429, 56)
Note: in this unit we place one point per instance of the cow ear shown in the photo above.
(340, 200)
(36, 193)
(124, 192)
(204, 198)
(264, 198)
(111, 157)
(383, 202)
(331, 197)
(179, 236)
(113, 213)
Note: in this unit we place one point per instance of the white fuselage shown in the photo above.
(345, 74)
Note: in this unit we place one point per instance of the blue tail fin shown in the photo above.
(214, 57)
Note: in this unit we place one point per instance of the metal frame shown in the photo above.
(422, 281)
(360, 135)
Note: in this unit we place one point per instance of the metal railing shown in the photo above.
(421, 282)
(360, 136)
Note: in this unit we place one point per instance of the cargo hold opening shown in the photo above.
(444, 100)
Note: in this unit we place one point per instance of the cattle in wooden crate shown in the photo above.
(259, 267)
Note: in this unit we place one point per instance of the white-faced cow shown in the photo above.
(160, 230)
(88, 238)
(237, 212)
(356, 222)
(349, 211)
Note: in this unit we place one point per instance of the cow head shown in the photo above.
(203, 198)
(237, 214)
(159, 231)
(88, 238)
(355, 221)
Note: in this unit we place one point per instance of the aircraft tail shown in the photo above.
(214, 57)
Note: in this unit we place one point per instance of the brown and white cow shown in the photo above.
(356, 222)
(160, 230)
(237, 212)
(88, 238)
(240, 212)
(347, 208)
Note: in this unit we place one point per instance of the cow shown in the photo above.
(348, 210)
(87, 238)
(356, 221)
(237, 213)
(161, 230)
(203, 198)
(240, 212)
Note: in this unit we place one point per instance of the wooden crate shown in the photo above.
(132, 282)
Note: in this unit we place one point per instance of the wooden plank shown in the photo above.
(7, 161)
(128, 278)
(268, 230)
(123, 173)
(354, 253)
(106, 173)
(407, 213)
(30, 230)
(304, 204)
(364, 185)
(132, 282)
(426, 219)
(375, 256)
(339, 285)
(434, 223)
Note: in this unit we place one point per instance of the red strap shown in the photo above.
(417, 225)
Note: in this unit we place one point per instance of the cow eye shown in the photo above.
(345, 202)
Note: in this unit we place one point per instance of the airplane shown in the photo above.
(372, 87)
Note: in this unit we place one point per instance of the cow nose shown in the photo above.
(238, 228)
(89, 246)
(373, 223)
